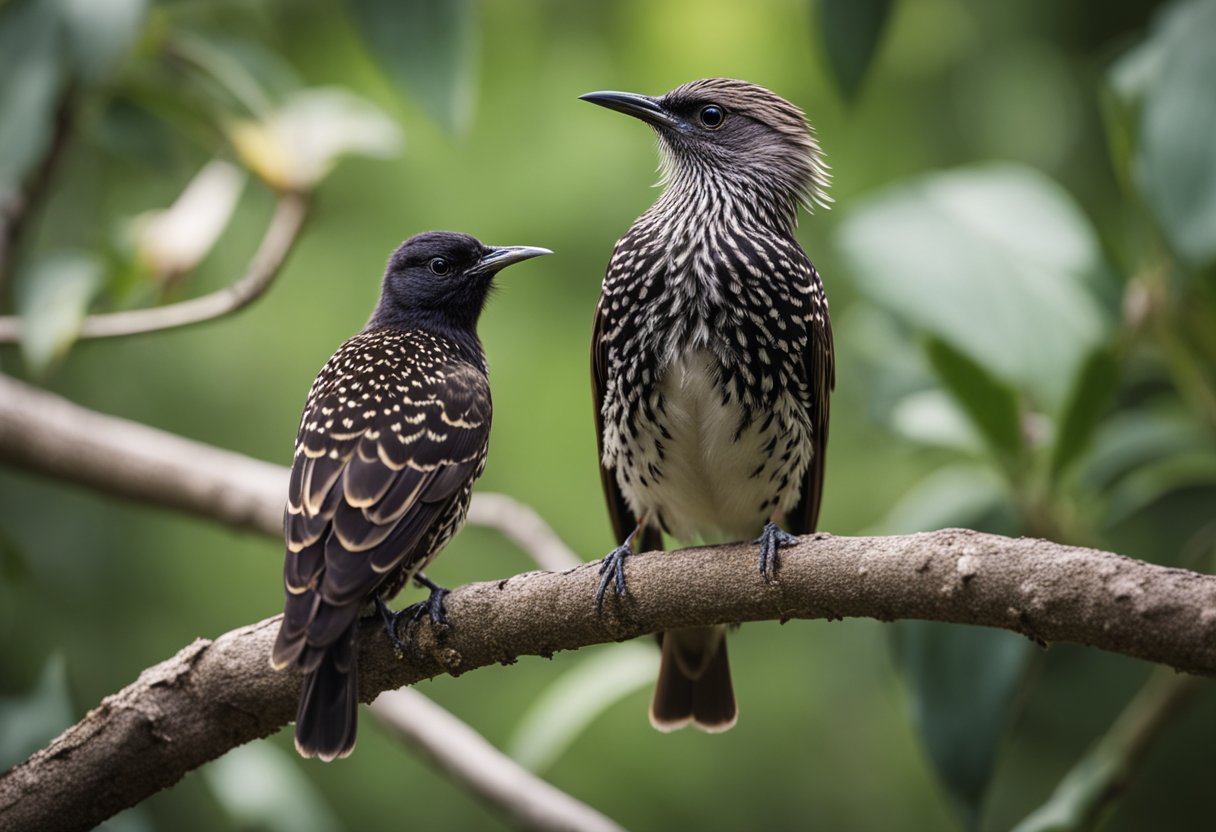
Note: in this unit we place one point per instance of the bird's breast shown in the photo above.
(703, 468)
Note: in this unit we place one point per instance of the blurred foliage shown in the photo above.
(851, 31)
(1023, 288)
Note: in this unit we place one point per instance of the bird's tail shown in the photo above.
(328, 716)
(694, 682)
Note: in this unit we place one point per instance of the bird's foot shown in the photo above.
(612, 570)
(771, 540)
(390, 626)
(432, 607)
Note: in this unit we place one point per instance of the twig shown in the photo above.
(15, 213)
(1099, 778)
(520, 524)
(216, 695)
(462, 753)
(281, 234)
(50, 435)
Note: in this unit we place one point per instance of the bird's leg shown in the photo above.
(612, 567)
(771, 539)
(390, 626)
(432, 606)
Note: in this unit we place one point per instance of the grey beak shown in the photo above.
(644, 107)
(499, 257)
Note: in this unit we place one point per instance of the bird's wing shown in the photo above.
(621, 516)
(819, 361)
(380, 455)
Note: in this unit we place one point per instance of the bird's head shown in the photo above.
(442, 277)
(728, 132)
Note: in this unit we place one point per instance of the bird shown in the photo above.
(393, 435)
(712, 357)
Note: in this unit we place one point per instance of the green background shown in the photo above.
(1004, 200)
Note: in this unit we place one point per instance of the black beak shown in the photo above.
(631, 104)
(499, 257)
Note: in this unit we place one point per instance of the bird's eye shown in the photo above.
(439, 266)
(712, 116)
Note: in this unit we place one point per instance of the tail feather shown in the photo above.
(694, 685)
(327, 720)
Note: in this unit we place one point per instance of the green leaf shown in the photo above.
(429, 46)
(963, 684)
(1100, 777)
(1094, 388)
(996, 260)
(100, 32)
(31, 80)
(54, 296)
(991, 404)
(1133, 438)
(29, 722)
(261, 787)
(850, 32)
(951, 496)
(931, 417)
(573, 702)
(1177, 151)
(1149, 483)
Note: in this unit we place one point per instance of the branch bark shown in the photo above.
(215, 695)
(48, 434)
(281, 234)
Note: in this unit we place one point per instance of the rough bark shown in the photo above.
(217, 694)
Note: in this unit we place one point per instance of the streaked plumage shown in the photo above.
(712, 355)
(394, 433)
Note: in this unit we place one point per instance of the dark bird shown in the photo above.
(393, 435)
(712, 357)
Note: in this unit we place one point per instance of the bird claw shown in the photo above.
(431, 607)
(612, 570)
(390, 627)
(771, 540)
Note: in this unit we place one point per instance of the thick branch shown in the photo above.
(216, 695)
(280, 236)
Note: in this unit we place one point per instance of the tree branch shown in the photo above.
(15, 212)
(215, 695)
(48, 434)
(466, 756)
(290, 213)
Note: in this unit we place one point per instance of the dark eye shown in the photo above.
(439, 266)
(712, 116)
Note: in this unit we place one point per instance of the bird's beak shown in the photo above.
(644, 107)
(499, 257)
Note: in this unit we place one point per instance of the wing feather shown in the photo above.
(384, 448)
(820, 363)
(619, 513)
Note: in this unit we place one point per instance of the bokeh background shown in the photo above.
(1020, 267)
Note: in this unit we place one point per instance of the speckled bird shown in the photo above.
(394, 433)
(712, 357)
